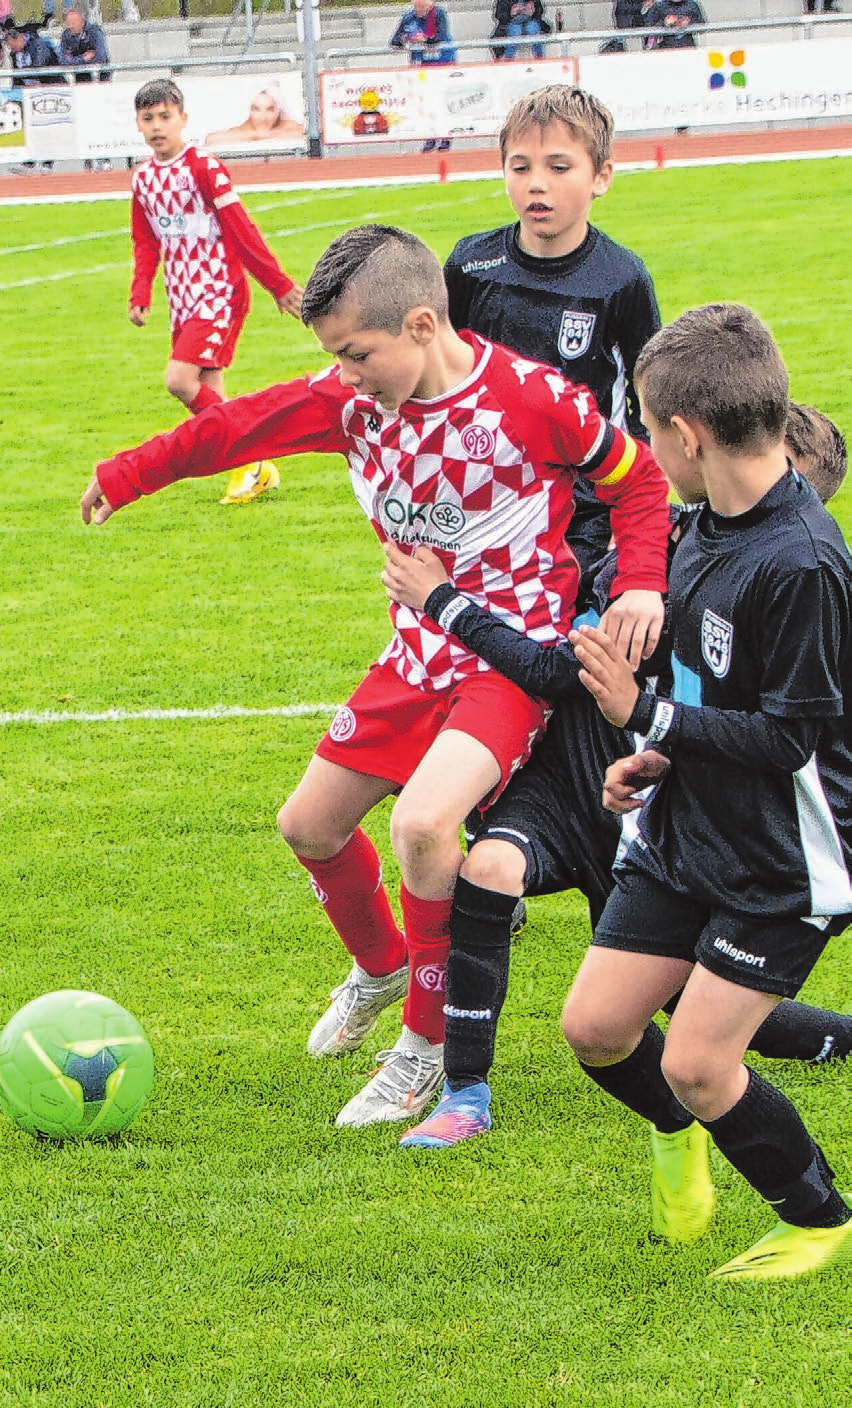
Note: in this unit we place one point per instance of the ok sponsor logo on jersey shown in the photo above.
(446, 518)
(575, 333)
(717, 637)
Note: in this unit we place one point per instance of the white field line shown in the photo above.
(125, 229)
(286, 233)
(128, 716)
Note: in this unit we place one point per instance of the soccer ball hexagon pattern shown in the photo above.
(74, 1065)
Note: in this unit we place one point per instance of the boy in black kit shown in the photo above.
(741, 870)
(553, 286)
(550, 832)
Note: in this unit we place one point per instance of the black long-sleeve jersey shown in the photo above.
(589, 313)
(756, 813)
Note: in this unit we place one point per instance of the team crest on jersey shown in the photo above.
(478, 442)
(342, 725)
(575, 333)
(717, 636)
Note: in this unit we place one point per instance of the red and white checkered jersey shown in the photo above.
(483, 475)
(187, 213)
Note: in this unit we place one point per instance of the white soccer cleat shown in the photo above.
(407, 1078)
(355, 1007)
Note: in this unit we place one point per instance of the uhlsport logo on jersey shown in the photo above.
(343, 725)
(717, 636)
(575, 333)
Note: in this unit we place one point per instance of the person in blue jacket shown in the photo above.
(424, 31)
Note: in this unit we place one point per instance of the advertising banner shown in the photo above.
(721, 87)
(415, 104)
(241, 113)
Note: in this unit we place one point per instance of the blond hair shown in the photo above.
(589, 121)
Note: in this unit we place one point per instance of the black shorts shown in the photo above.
(773, 955)
(568, 842)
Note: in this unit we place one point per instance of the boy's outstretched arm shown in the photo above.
(289, 419)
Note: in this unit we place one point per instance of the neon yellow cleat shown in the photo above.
(682, 1197)
(790, 1251)
(249, 481)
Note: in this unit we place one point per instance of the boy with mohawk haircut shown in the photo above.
(455, 442)
(552, 285)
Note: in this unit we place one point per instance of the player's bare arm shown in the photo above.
(627, 778)
(633, 623)
(606, 673)
(408, 578)
(93, 505)
(138, 316)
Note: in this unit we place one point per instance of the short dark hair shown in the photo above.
(157, 92)
(384, 270)
(718, 365)
(817, 448)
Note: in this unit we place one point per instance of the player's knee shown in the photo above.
(417, 831)
(496, 865)
(590, 1036)
(306, 833)
(181, 382)
(689, 1073)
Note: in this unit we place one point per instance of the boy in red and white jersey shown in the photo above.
(462, 445)
(186, 213)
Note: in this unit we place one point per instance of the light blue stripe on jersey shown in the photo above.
(687, 685)
(831, 888)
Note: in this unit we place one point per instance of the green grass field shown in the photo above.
(234, 1249)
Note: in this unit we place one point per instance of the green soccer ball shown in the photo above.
(74, 1065)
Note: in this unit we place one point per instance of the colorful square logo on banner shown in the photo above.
(730, 70)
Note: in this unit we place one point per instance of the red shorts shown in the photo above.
(209, 342)
(388, 726)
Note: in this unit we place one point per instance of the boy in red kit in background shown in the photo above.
(186, 212)
(455, 443)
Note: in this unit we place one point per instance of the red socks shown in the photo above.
(206, 397)
(427, 935)
(349, 885)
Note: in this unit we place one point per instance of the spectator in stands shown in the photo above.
(677, 16)
(28, 49)
(517, 18)
(82, 44)
(424, 31)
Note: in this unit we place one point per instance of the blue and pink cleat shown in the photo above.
(459, 1114)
